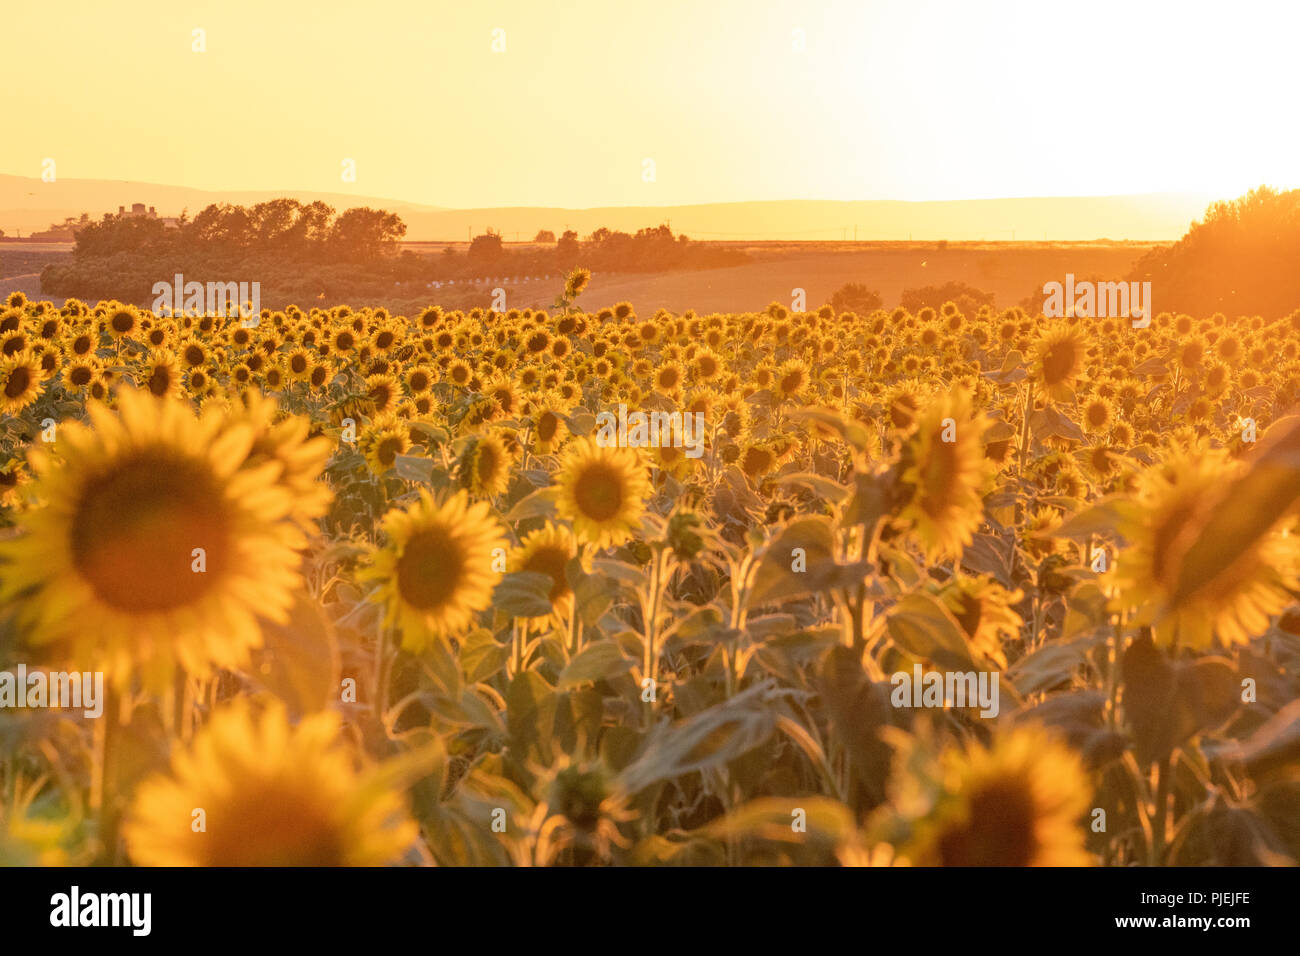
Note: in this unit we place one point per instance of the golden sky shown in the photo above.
(732, 99)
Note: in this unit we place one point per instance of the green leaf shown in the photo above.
(536, 504)
(709, 739)
(922, 626)
(824, 488)
(413, 468)
(776, 579)
(530, 709)
(299, 660)
(850, 431)
(596, 661)
(524, 594)
(481, 656)
(591, 595)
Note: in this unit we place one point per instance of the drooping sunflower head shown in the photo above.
(943, 473)
(437, 569)
(602, 492)
(1230, 604)
(271, 794)
(1058, 359)
(483, 468)
(589, 807)
(986, 612)
(576, 283)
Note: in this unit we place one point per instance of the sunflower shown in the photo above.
(381, 442)
(80, 344)
(419, 379)
(153, 528)
(193, 353)
(384, 392)
(288, 444)
(13, 475)
(576, 283)
(550, 428)
(20, 382)
(123, 322)
(1170, 501)
(160, 375)
(602, 491)
(1058, 360)
(791, 379)
(546, 551)
(298, 364)
(272, 794)
(986, 612)
(483, 468)
(1019, 802)
(942, 472)
(1098, 415)
(437, 569)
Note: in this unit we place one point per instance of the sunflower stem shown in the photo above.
(1160, 822)
(104, 786)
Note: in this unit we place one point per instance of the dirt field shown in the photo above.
(1011, 271)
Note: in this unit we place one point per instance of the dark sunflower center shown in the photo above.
(160, 381)
(430, 569)
(487, 464)
(1001, 829)
(19, 380)
(388, 451)
(1058, 363)
(274, 826)
(136, 528)
(550, 561)
(939, 478)
(599, 493)
(547, 425)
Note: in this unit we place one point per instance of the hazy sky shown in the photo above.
(731, 99)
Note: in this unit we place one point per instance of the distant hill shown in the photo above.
(27, 204)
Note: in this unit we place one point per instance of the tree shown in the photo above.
(1239, 260)
(568, 249)
(856, 297)
(966, 297)
(486, 248)
(544, 235)
(364, 234)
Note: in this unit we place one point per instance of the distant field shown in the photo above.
(1011, 271)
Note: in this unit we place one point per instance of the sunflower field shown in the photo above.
(369, 589)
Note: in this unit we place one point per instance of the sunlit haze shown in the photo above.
(787, 100)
